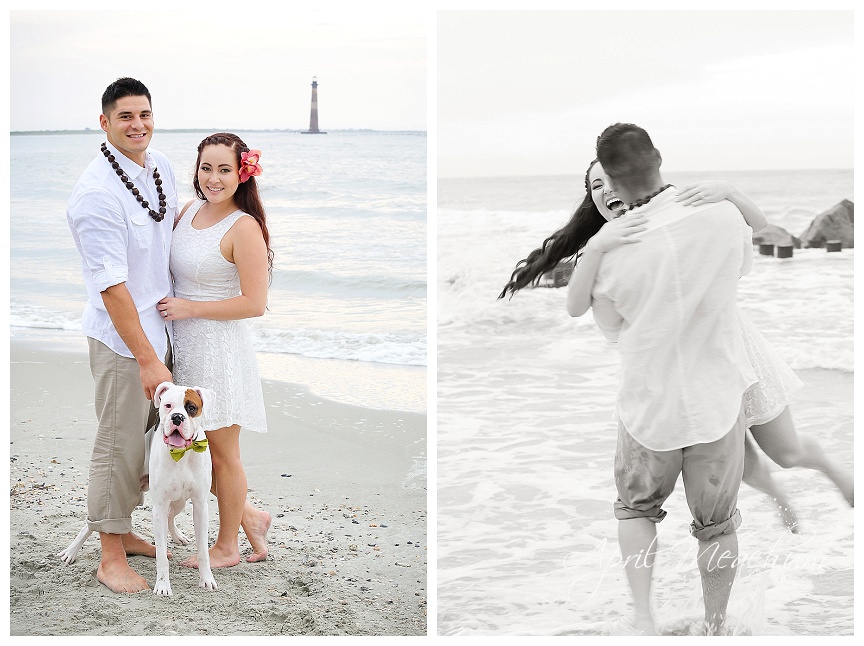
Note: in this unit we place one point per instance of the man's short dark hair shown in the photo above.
(625, 151)
(123, 87)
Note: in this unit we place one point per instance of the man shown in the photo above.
(669, 301)
(121, 214)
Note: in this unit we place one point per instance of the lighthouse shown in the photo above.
(313, 117)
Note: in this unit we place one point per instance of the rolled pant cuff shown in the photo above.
(111, 525)
(655, 514)
(707, 532)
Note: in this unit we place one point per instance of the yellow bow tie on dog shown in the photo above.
(199, 446)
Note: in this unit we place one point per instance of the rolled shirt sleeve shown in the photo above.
(100, 226)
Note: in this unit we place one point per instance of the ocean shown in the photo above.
(347, 218)
(527, 543)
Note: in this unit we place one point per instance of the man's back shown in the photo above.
(670, 301)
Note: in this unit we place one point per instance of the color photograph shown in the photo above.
(645, 270)
(218, 236)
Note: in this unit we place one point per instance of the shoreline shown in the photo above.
(376, 386)
(346, 487)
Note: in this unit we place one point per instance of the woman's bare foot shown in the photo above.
(789, 518)
(119, 577)
(218, 558)
(256, 533)
(846, 484)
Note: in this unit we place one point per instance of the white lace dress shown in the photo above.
(214, 354)
(766, 399)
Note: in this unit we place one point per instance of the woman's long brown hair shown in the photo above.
(565, 242)
(246, 197)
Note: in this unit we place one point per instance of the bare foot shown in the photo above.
(790, 519)
(634, 625)
(119, 577)
(218, 558)
(256, 532)
(137, 546)
(723, 630)
(847, 487)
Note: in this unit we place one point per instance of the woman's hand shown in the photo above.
(705, 191)
(716, 190)
(617, 232)
(176, 309)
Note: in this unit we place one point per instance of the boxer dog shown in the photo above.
(180, 469)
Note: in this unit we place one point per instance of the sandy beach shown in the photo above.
(345, 486)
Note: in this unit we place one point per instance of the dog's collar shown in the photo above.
(199, 446)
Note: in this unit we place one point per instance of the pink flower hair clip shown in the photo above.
(249, 166)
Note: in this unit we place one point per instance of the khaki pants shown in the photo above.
(124, 415)
(711, 473)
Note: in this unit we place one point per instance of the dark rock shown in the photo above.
(559, 276)
(837, 223)
(777, 236)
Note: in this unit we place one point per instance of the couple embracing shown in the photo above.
(699, 386)
(168, 290)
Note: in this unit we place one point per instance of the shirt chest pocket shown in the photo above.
(143, 229)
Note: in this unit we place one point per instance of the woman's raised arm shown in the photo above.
(611, 235)
(715, 190)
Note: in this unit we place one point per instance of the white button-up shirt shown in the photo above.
(669, 301)
(120, 243)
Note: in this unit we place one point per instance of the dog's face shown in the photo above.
(180, 412)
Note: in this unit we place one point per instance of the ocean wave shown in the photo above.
(322, 281)
(394, 348)
(35, 317)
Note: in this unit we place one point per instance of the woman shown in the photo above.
(221, 262)
(596, 228)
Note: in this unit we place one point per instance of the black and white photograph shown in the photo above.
(645, 271)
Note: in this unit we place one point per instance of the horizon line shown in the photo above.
(672, 171)
(95, 130)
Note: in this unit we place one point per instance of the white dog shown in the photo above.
(180, 469)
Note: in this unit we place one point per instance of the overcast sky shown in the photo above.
(250, 67)
(527, 92)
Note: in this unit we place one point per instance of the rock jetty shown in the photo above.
(837, 223)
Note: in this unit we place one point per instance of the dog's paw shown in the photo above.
(68, 556)
(162, 587)
(179, 537)
(208, 583)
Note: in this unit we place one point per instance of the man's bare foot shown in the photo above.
(256, 532)
(119, 577)
(634, 625)
(724, 630)
(137, 546)
(218, 558)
